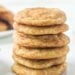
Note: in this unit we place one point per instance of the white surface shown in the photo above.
(15, 5)
(5, 59)
(5, 33)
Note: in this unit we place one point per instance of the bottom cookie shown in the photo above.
(38, 64)
(55, 70)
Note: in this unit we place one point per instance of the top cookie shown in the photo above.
(40, 16)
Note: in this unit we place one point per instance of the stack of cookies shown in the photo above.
(40, 45)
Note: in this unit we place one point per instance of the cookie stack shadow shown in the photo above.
(40, 46)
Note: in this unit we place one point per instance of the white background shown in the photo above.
(68, 6)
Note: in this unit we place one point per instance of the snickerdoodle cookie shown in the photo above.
(55, 70)
(38, 64)
(5, 14)
(41, 41)
(34, 30)
(40, 16)
(3, 26)
(44, 53)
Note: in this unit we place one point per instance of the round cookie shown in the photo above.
(55, 70)
(46, 53)
(34, 30)
(3, 26)
(40, 16)
(6, 14)
(41, 41)
(38, 64)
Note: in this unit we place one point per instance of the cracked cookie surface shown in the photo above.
(40, 16)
